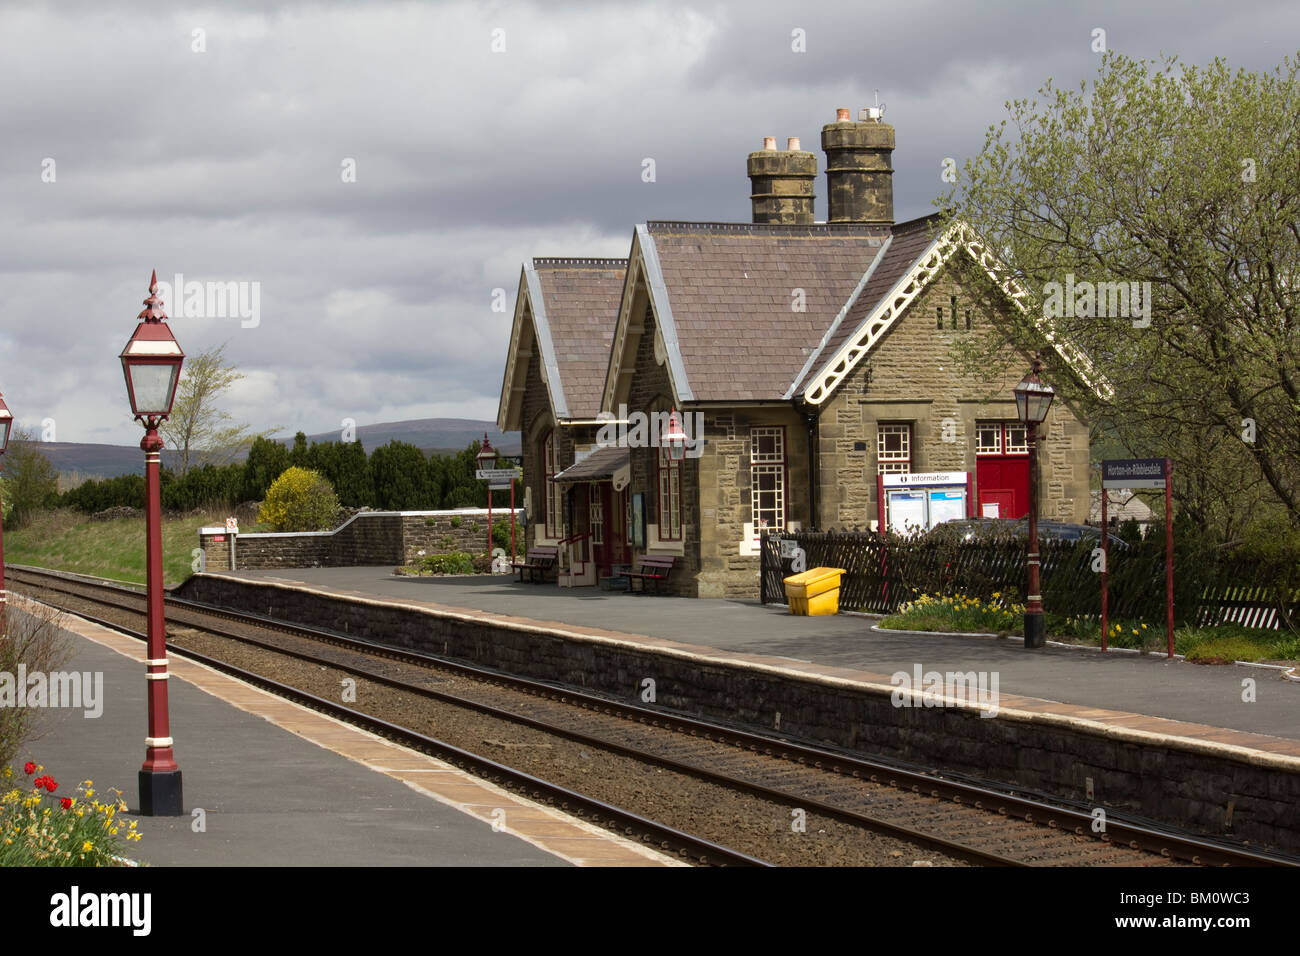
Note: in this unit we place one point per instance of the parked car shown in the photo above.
(1048, 530)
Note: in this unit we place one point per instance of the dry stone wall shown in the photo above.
(369, 538)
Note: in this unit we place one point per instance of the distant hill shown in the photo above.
(442, 435)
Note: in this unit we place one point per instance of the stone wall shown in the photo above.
(651, 391)
(727, 570)
(912, 376)
(369, 538)
(1183, 783)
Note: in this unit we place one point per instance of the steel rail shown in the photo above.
(570, 801)
(1135, 835)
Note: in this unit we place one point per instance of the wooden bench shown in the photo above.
(538, 561)
(650, 567)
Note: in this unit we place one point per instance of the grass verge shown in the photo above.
(1207, 645)
(69, 541)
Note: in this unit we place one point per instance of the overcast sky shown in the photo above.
(376, 295)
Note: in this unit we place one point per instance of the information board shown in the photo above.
(946, 506)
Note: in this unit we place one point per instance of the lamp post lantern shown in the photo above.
(674, 438)
(6, 422)
(151, 363)
(487, 457)
(1033, 399)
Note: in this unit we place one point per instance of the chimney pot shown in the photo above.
(792, 142)
(782, 183)
(842, 116)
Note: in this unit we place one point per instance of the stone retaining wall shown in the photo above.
(368, 538)
(1185, 783)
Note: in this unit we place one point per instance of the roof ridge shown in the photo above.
(866, 230)
(539, 261)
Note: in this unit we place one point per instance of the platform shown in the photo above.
(1141, 691)
(281, 785)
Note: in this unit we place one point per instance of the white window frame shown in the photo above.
(670, 497)
(595, 515)
(893, 462)
(1004, 446)
(767, 463)
(554, 524)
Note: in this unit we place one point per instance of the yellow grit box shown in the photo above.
(816, 591)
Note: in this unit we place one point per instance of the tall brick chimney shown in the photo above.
(859, 178)
(782, 183)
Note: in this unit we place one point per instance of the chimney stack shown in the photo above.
(859, 178)
(782, 183)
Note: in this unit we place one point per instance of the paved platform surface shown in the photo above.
(281, 785)
(1141, 692)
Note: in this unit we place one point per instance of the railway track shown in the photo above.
(961, 820)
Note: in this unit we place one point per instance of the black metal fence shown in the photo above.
(884, 571)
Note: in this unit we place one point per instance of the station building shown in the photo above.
(813, 357)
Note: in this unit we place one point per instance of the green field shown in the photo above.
(68, 541)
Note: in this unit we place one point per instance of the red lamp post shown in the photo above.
(151, 363)
(487, 457)
(1033, 399)
(6, 422)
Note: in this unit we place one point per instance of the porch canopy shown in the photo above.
(603, 464)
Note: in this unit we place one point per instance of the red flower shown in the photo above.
(29, 768)
(50, 785)
(66, 803)
(39, 783)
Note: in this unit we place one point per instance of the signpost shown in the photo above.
(232, 529)
(1151, 473)
(499, 479)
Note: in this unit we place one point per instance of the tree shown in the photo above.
(266, 461)
(299, 500)
(461, 489)
(198, 431)
(1154, 220)
(401, 477)
(33, 483)
(346, 467)
(6, 502)
(298, 454)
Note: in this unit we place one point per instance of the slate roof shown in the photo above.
(731, 287)
(581, 299)
(910, 240)
(600, 465)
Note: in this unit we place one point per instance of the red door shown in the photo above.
(600, 525)
(617, 531)
(1003, 481)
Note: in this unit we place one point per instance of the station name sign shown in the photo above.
(925, 478)
(497, 474)
(1135, 473)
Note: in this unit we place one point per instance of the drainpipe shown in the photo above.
(809, 413)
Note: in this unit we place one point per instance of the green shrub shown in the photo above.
(457, 562)
(501, 535)
(299, 500)
(455, 521)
